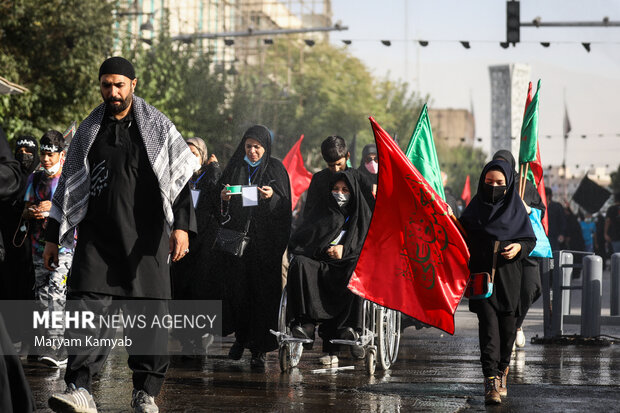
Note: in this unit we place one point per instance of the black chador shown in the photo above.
(317, 284)
(253, 283)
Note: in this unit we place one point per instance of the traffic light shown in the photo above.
(513, 23)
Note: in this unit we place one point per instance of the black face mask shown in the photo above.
(492, 193)
(25, 159)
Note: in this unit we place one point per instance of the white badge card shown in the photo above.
(249, 195)
(195, 196)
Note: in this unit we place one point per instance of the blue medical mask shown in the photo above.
(252, 164)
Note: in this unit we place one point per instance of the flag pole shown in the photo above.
(458, 225)
(522, 187)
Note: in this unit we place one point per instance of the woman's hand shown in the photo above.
(335, 252)
(511, 251)
(266, 192)
(225, 194)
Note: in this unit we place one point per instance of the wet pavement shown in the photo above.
(435, 372)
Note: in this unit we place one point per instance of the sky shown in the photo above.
(454, 77)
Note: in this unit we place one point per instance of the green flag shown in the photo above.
(529, 131)
(422, 154)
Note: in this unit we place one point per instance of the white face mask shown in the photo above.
(341, 199)
(53, 170)
(196, 164)
(372, 166)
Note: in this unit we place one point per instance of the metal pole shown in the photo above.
(567, 275)
(251, 32)
(557, 322)
(615, 284)
(546, 267)
(591, 297)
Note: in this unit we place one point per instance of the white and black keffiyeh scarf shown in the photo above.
(168, 155)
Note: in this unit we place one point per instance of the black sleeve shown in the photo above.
(183, 210)
(527, 246)
(52, 231)
(313, 195)
(10, 176)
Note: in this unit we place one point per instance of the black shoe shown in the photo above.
(54, 357)
(258, 360)
(347, 333)
(236, 351)
(303, 331)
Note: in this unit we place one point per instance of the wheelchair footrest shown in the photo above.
(285, 338)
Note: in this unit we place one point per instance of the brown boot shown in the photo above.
(491, 394)
(503, 384)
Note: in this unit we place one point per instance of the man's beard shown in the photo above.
(116, 109)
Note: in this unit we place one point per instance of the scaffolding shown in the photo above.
(199, 20)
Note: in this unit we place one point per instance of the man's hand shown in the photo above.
(511, 251)
(50, 256)
(335, 252)
(179, 244)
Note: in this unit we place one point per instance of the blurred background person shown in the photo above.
(192, 277)
(17, 270)
(50, 286)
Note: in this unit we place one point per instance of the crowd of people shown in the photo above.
(132, 211)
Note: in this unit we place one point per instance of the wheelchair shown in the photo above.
(380, 338)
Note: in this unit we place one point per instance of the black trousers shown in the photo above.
(531, 286)
(148, 370)
(496, 332)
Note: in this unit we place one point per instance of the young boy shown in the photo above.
(335, 153)
(50, 286)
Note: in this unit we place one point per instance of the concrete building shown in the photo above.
(508, 93)
(453, 127)
(221, 26)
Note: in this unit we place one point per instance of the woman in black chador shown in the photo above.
(192, 277)
(253, 283)
(326, 248)
(497, 213)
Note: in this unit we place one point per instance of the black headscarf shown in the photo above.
(30, 144)
(328, 219)
(507, 156)
(504, 220)
(531, 196)
(236, 169)
(368, 149)
(269, 172)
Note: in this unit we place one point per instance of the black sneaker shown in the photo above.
(347, 333)
(236, 351)
(258, 360)
(142, 402)
(54, 358)
(303, 331)
(73, 400)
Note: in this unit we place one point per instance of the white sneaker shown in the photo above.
(73, 400)
(328, 360)
(520, 339)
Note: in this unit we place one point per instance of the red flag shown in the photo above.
(414, 259)
(466, 194)
(535, 175)
(298, 174)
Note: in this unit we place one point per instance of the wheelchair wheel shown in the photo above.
(388, 336)
(289, 353)
(371, 361)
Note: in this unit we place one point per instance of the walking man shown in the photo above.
(124, 186)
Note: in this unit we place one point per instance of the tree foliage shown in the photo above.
(460, 161)
(54, 48)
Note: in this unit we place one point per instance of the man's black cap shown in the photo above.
(117, 66)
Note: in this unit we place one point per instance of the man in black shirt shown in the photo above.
(124, 186)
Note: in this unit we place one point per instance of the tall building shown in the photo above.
(508, 92)
(221, 27)
(453, 127)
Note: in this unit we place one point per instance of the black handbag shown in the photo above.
(231, 241)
